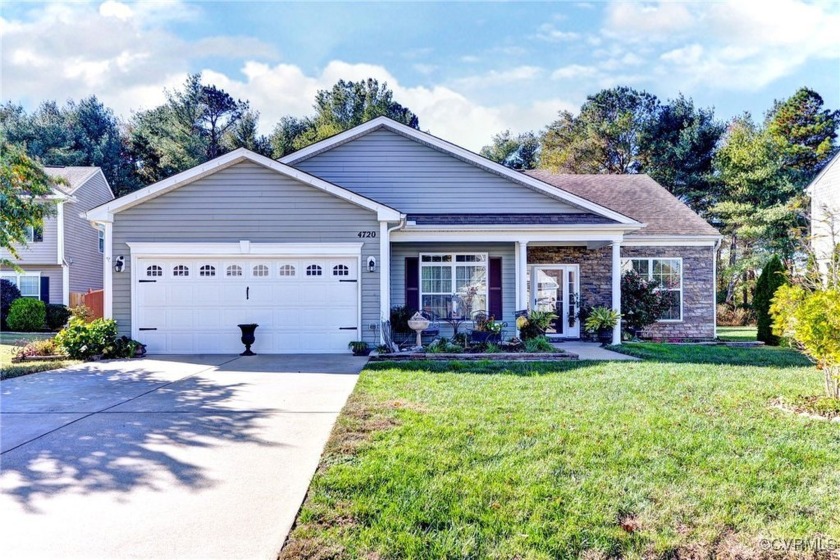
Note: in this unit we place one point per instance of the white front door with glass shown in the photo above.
(555, 288)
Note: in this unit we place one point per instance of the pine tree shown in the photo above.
(772, 277)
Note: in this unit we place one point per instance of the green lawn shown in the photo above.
(737, 334)
(676, 457)
(9, 370)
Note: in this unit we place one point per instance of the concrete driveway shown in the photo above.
(165, 457)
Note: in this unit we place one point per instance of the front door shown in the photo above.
(555, 288)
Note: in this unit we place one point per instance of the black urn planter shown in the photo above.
(365, 352)
(605, 336)
(248, 337)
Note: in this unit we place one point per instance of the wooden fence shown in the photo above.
(93, 300)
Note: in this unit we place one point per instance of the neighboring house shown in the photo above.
(825, 212)
(318, 247)
(64, 255)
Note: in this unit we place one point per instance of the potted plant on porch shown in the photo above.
(602, 320)
(359, 348)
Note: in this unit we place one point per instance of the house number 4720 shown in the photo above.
(366, 234)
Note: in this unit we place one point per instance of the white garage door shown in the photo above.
(193, 306)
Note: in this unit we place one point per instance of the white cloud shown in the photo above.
(495, 78)
(548, 32)
(574, 72)
(116, 9)
(636, 22)
(684, 55)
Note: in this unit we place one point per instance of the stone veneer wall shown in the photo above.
(596, 283)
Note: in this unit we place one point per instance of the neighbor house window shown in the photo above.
(101, 239)
(453, 285)
(668, 273)
(29, 284)
(34, 234)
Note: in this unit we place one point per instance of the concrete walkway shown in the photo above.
(592, 351)
(166, 457)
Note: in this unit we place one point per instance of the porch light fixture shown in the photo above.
(371, 262)
(119, 265)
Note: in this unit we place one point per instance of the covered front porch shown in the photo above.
(502, 276)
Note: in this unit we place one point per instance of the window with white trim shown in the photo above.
(259, 271)
(29, 283)
(207, 270)
(341, 270)
(453, 285)
(181, 270)
(286, 270)
(101, 230)
(154, 270)
(233, 270)
(313, 270)
(34, 234)
(668, 273)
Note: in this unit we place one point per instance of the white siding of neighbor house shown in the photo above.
(825, 208)
(41, 252)
(81, 245)
(399, 252)
(416, 178)
(247, 202)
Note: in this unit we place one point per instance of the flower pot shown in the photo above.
(248, 337)
(365, 352)
(605, 336)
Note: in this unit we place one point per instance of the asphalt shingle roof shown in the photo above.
(505, 219)
(75, 176)
(636, 196)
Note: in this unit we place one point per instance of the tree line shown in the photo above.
(746, 176)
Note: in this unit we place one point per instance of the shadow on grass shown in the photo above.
(499, 367)
(761, 356)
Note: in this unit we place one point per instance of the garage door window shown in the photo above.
(260, 271)
(287, 270)
(154, 271)
(234, 270)
(341, 270)
(181, 270)
(207, 270)
(313, 270)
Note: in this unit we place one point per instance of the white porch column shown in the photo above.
(384, 277)
(616, 288)
(521, 275)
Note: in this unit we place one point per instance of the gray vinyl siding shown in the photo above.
(52, 271)
(399, 252)
(41, 252)
(81, 245)
(416, 178)
(247, 202)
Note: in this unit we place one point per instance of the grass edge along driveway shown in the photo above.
(680, 457)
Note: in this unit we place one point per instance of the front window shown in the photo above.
(668, 273)
(28, 284)
(453, 285)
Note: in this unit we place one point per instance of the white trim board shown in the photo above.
(105, 212)
(462, 154)
(245, 248)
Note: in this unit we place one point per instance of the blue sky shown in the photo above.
(467, 69)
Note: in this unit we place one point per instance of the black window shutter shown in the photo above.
(45, 289)
(412, 283)
(494, 306)
(38, 234)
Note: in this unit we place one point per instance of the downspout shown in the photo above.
(385, 271)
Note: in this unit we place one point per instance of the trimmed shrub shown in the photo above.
(772, 277)
(57, 316)
(8, 293)
(82, 340)
(27, 315)
(641, 302)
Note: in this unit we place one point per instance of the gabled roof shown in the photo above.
(104, 212)
(75, 177)
(810, 188)
(637, 196)
(461, 153)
